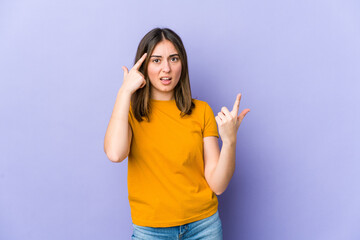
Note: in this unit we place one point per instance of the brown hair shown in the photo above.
(140, 100)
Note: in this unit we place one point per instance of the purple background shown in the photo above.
(297, 64)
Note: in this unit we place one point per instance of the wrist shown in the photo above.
(125, 92)
(229, 142)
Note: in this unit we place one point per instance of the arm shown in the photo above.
(118, 133)
(220, 166)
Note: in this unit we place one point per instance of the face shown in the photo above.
(164, 70)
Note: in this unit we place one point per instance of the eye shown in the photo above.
(156, 60)
(174, 59)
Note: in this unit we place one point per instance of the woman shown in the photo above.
(175, 167)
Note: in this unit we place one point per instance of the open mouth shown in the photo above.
(165, 80)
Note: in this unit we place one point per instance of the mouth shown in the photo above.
(165, 80)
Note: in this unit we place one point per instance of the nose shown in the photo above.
(166, 66)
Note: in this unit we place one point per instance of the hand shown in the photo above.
(229, 122)
(133, 79)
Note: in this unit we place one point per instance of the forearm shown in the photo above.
(116, 142)
(225, 167)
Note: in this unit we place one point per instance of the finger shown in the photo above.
(221, 115)
(143, 84)
(243, 114)
(226, 112)
(139, 62)
(126, 71)
(237, 104)
(217, 119)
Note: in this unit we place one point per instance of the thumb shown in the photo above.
(243, 114)
(126, 71)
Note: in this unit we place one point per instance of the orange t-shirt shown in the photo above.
(166, 181)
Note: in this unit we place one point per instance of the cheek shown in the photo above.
(178, 70)
(152, 72)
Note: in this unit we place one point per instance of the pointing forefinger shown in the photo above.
(237, 104)
(139, 62)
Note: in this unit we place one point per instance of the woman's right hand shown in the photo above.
(133, 79)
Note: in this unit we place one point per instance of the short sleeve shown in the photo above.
(210, 128)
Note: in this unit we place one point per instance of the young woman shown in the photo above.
(175, 166)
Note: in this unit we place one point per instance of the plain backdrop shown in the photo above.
(297, 64)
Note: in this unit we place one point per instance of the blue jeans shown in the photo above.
(209, 228)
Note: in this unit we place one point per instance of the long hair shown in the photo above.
(140, 100)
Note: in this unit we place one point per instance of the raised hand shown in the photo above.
(133, 79)
(229, 122)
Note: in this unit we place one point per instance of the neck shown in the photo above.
(163, 97)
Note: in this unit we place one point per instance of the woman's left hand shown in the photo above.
(229, 122)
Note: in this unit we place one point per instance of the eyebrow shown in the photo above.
(172, 55)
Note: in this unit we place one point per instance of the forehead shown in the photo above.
(164, 47)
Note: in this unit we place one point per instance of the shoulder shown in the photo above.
(203, 105)
(200, 103)
(202, 108)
